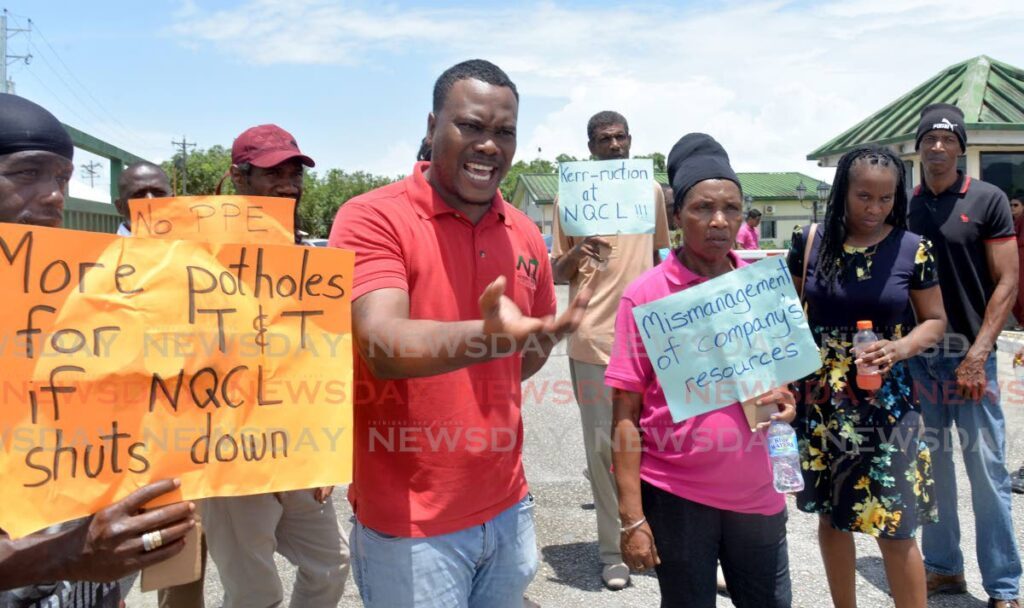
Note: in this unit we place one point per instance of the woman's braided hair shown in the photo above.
(829, 269)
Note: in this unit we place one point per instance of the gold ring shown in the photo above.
(152, 540)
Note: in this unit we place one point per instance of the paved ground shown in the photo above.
(569, 573)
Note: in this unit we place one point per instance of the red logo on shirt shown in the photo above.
(964, 218)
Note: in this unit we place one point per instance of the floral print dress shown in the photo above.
(864, 460)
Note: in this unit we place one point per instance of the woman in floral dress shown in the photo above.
(866, 466)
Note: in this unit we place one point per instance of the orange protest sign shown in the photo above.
(215, 219)
(125, 360)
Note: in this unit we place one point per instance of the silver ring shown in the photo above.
(152, 540)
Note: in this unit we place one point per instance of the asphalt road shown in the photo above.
(569, 574)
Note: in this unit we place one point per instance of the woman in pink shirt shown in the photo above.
(698, 492)
(747, 237)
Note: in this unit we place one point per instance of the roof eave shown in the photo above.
(821, 153)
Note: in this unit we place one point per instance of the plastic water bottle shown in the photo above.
(785, 457)
(868, 378)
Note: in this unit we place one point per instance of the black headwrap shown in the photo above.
(27, 126)
(944, 117)
(695, 158)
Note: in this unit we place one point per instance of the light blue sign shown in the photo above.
(606, 197)
(728, 340)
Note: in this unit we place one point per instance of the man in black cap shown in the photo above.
(969, 223)
(244, 532)
(75, 564)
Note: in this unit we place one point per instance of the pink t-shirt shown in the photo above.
(747, 237)
(713, 459)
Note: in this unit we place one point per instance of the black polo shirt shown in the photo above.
(959, 222)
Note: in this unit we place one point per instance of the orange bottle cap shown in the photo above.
(864, 325)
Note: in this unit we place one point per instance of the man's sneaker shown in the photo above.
(1017, 481)
(1003, 603)
(945, 583)
(615, 576)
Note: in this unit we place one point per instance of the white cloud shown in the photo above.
(394, 161)
(771, 80)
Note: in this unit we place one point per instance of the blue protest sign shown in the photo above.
(606, 197)
(728, 340)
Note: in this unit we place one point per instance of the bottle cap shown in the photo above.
(864, 325)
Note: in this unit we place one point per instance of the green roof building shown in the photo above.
(991, 95)
(774, 194)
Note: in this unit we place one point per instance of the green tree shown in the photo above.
(205, 168)
(323, 195)
(659, 161)
(537, 165)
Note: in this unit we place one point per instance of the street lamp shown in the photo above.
(822, 198)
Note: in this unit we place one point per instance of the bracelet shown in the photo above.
(633, 526)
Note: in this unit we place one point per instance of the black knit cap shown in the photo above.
(943, 117)
(28, 126)
(695, 158)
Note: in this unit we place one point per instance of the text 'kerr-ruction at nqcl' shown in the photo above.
(128, 360)
(606, 197)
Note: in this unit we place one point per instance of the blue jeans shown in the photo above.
(982, 432)
(485, 566)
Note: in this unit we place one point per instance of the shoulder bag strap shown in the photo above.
(807, 257)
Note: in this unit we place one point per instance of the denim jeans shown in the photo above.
(692, 538)
(982, 432)
(485, 566)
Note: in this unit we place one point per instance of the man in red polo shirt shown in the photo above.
(453, 306)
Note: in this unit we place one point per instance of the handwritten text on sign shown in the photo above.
(217, 219)
(606, 197)
(125, 361)
(730, 339)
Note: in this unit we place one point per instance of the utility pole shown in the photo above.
(6, 86)
(92, 169)
(184, 145)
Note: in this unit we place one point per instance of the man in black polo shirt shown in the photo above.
(969, 223)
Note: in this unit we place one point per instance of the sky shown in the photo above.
(353, 80)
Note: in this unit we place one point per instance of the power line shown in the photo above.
(55, 96)
(64, 82)
(114, 129)
(101, 121)
(73, 76)
(109, 123)
(184, 145)
(5, 84)
(92, 169)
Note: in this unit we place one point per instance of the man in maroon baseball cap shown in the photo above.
(243, 532)
(267, 146)
(266, 161)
